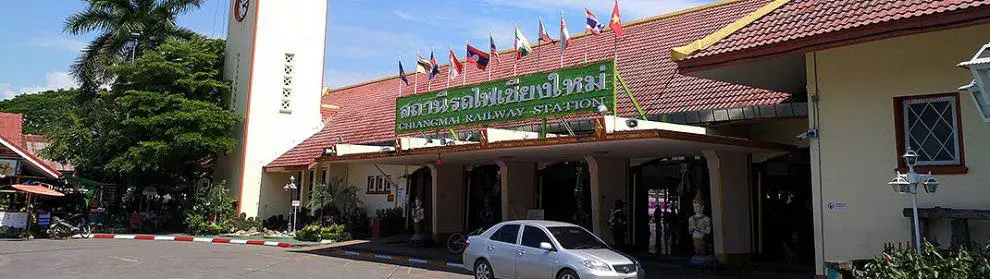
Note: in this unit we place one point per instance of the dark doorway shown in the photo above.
(665, 191)
(565, 193)
(484, 197)
(784, 224)
(421, 188)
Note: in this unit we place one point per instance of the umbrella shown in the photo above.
(38, 189)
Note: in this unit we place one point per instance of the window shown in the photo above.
(323, 175)
(377, 185)
(576, 238)
(533, 236)
(309, 188)
(507, 234)
(287, 83)
(371, 183)
(930, 125)
(388, 183)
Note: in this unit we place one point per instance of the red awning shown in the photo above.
(38, 189)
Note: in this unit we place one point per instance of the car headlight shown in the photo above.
(596, 265)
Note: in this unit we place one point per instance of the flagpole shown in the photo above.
(429, 81)
(450, 65)
(464, 78)
(400, 76)
(491, 56)
(538, 39)
(416, 78)
(518, 55)
(562, 49)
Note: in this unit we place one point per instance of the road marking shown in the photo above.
(124, 259)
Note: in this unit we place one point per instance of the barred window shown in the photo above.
(930, 125)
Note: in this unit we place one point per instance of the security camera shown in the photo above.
(809, 134)
(632, 123)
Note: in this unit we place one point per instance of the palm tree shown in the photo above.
(126, 27)
(334, 194)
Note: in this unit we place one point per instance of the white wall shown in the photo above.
(296, 27)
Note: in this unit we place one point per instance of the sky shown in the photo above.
(35, 54)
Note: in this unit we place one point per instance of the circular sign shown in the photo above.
(241, 9)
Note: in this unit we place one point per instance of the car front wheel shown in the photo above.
(483, 270)
(567, 274)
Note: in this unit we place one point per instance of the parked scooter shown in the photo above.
(75, 225)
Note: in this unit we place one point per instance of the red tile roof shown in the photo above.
(367, 111)
(798, 20)
(35, 143)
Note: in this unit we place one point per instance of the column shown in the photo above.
(448, 200)
(609, 182)
(731, 206)
(518, 188)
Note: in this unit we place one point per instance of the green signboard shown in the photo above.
(565, 91)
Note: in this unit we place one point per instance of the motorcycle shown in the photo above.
(75, 225)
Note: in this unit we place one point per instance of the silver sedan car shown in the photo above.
(544, 249)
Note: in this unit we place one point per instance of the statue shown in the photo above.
(700, 226)
(418, 214)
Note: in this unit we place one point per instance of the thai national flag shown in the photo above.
(592, 24)
(478, 57)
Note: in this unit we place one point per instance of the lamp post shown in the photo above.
(291, 188)
(907, 184)
(979, 67)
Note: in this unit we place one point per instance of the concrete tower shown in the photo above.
(274, 58)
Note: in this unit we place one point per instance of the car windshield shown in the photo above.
(576, 238)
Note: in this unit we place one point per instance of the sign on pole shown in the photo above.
(560, 92)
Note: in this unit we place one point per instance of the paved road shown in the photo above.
(158, 259)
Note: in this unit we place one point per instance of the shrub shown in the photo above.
(11, 232)
(356, 222)
(315, 232)
(198, 225)
(240, 223)
(930, 262)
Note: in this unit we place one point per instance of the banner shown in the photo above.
(565, 91)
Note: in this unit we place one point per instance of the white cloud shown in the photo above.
(630, 9)
(7, 91)
(57, 42)
(53, 80)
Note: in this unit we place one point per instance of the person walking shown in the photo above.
(617, 222)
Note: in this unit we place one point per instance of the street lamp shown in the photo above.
(907, 184)
(291, 188)
(979, 67)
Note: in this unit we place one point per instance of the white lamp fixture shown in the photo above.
(979, 66)
(908, 183)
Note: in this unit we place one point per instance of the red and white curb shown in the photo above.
(399, 259)
(187, 239)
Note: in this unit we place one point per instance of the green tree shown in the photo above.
(162, 120)
(126, 28)
(41, 110)
(332, 195)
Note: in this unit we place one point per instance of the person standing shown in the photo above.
(617, 222)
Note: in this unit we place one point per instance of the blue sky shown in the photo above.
(35, 54)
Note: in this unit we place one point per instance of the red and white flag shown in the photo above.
(456, 67)
(565, 37)
(544, 36)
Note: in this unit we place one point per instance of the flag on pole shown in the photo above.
(455, 66)
(435, 69)
(522, 45)
(402, 75)
(478, 57)
(422, 65)
(544, 36)
(492, 48)
(591, 23)
(616, 22)
(565, 37)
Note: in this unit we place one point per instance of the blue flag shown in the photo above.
(402, 75)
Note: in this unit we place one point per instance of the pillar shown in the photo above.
(609, 182)
(448, 200)
(731, 206)
(518, 189)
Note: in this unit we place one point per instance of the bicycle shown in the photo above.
(456, 242)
